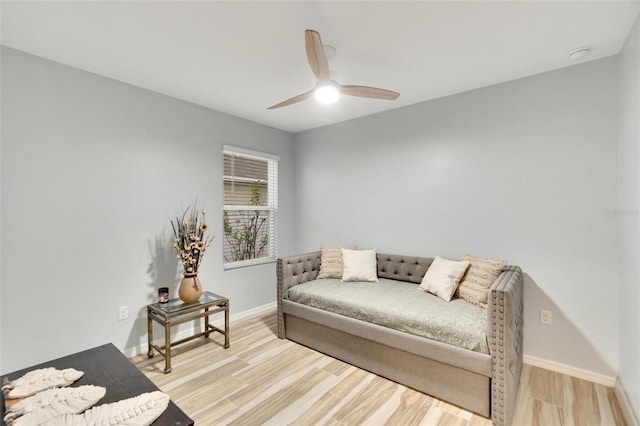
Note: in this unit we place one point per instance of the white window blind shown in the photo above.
(250, 181)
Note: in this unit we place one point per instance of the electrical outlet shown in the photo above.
(123, 313)
(545, 317)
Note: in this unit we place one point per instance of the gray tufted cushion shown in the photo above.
(403, 268)
(505, 312)
(294, 270)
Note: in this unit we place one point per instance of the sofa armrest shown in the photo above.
(505, 315)
(291, 271)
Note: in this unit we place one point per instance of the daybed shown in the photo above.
(485, 382)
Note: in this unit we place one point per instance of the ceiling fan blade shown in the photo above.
(315, 55)
(369, 92)
(293, 100)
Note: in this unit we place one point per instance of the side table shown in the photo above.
(176, 312)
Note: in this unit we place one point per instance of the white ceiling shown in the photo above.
(241, 57)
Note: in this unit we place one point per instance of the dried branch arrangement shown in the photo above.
(190, 239)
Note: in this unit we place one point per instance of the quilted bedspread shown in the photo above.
(401, 306)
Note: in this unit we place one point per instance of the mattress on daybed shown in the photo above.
(401, 306)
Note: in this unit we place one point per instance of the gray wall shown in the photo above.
(629, 205)
(92, 172)
(524, 171)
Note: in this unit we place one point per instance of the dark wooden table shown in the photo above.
(106, 366)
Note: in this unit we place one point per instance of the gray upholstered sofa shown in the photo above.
(486, 384)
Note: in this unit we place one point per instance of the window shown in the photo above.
(250, 207)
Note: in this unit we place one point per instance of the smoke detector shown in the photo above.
(579, 54)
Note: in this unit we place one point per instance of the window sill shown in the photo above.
(246, 263)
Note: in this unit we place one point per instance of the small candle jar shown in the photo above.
(163, 294)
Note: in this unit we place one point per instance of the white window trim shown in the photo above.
(237, 208)
(250, 153)
(228, 178)
(273, 221)
(246, 263)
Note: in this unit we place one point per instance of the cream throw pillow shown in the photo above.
(331, 261)
(474, 287)
(359, 265)
(443, 276)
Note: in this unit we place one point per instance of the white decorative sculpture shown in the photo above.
(39, 380)
(52, 403)
(141, 410)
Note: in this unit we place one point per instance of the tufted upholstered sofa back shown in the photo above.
(403, 268)
(299, 269)
(303, 268)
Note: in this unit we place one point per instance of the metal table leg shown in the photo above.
(167, 347)
(226, 327)
(149, 334)
(206, 324)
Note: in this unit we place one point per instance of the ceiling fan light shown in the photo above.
(326, 94)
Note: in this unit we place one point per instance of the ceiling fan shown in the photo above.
(326, 89)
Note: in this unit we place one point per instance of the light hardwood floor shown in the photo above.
(261, 379)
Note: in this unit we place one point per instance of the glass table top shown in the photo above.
(177, 305)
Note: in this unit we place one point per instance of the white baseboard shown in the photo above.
(570, 370)
(142, 347)
(621, 395)
(271, 306)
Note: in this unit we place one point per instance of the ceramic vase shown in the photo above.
(190, 288)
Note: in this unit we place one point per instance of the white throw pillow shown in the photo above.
(443, 276)
(359, 265)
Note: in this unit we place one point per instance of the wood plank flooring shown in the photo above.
(261, 379)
